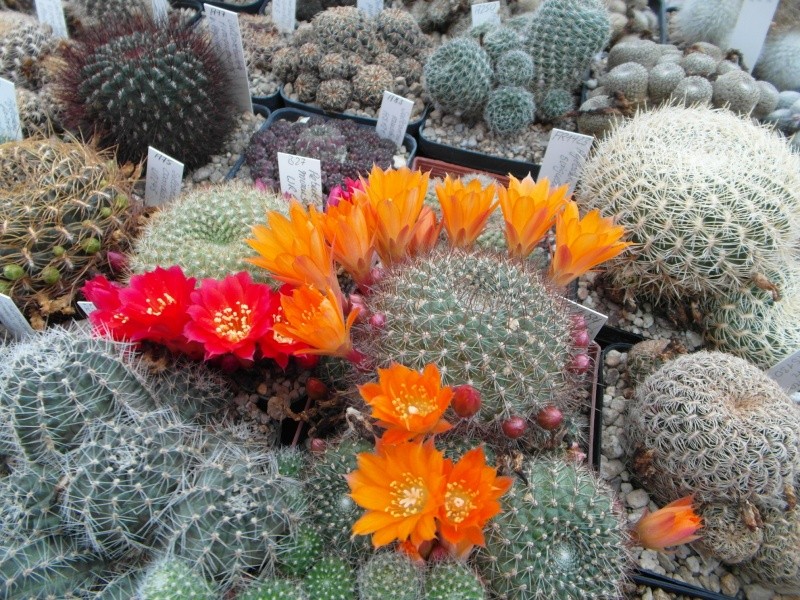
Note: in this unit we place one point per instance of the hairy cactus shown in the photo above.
(700, 228)
(231, 514)
(777, 563)
(65, 206)
(509, 110)
(172, 578)
(725, 534)
(499, 40)
(692, 91)
(713, 425)
(560, 536)
(347, 29)
(22, 50)
(514, 67)
(629, 79)
(644, 52)
(369, 83)
(331, 579)
(273, 589)
(204, 231)
(779, 62)
(562, 37)
(452, 581)
(136, 84)
(389, 575)
(85, 14)
(706, 21)
(458, 76)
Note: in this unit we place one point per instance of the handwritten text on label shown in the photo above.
(227, 39)
(393, 117)
(301, 178)
(164, 175)
(563, 160)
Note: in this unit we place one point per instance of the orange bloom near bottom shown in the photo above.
(402, 487)
(673, 525)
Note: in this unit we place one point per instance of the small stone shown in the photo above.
(649, 560)
(693, 563)
(647, 321)
(583, 293)
(611, 376)
(613, 358)
(638, 499)
(201, 174)
(729, 585)
(625, 488)
(660, 594)
(610, 468)
(666, 561)
(756, 592)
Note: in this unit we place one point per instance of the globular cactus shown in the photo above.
(700, 228)
(347, 29)
(336, 65)
(203, 232)
(23, 49)
(334, 94)
(118, 585)
(484, 320)
(65, 207)
(560, 536)
(135, 84)
(297, 559)
(725, 535)
(562, 37)
(85, 14)
(34, 113)
(629, 79)
(44, 567)
(777, 562)
(452, 581)
(369, 83)
(779, 62)
(331, 578)
(736, 90)
(509, 110)
(274, 589)
(389, 575)
(706, 21)
(753, 325)
(555, 104)
(498, 40)
(400, 32)
(514, 67)
(458, 76)
(28, 500)
(231, 515)
(172, 578)
(712, 425)
(644, 52)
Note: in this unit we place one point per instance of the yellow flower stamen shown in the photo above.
(156, 306)
(233, 325)
(408, 496)
(458, 501)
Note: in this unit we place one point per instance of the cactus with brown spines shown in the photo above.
(23, 48)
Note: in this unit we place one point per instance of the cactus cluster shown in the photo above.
(172, 578)
(203, 232)
(135, 83)
(24, 47)
(389, 575)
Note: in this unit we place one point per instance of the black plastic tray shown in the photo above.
(412, 129)
(292, 114)
(273, 101)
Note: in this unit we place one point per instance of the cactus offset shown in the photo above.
(452, 581)
(172, 578)
(458, 76)
(389, 575)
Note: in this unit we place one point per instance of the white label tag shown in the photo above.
(301, 178)
(393, 117)
(594, 319)
(748, 36)
(487, 12)
(564, 157)
(371, 8)
(51, 12)
(87, 307)
(160, 9)
(10, 126)
(283, 15)
(12, 318)
(787, 373)
(164, 176)
(227, 39)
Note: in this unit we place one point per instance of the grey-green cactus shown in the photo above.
(173, 579)
(331, 578)
(452, 581)
(274, 589)
(514, 67)
(509, 110)
(296, 559)
(389, 575)
(458, 76)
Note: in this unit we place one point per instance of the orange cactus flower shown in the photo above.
(294, 250)
(582, 244)
(471, 498)
(317, 320)
(395, 199)
(350, 234)
(426, 233)
(402, 487)
(672, 525)
(407, 403)
(529, 210)
(465, 209)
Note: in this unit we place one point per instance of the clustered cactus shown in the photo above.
(23, 49)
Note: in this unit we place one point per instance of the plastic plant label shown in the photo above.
(787, 373)
(301, 178)
(12, 318)
(87, 307)
(393, 117)
(283, 15)
(10, 126)
(594, 319)
(160, 9)
(51, 12)
(227, 39)
(164, 176)
(564, 157)
(751, 28)
(371, 8)
(486, 12)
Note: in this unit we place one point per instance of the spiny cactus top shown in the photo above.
(137, 84)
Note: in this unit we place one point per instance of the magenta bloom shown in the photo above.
(344, 193)
(107, 318)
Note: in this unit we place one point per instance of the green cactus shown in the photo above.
(509, 110)
(400, 32)
(562, 37)
(28, 500)
(452, 581)
(232, 514)
(297, 559)
(555, 104)
(173, 579)
(559, 536)
(499, 40)
(331, 578)
(514, 67)
(484, 320)
(115, 585)
(700, 228)
(204, 231)
(715, 426)
(347, 29)
(458, 76)
(135, 84)
(369, 83)
(274, 589)
(389, 575)
(65, 206)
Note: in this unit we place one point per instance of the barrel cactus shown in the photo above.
(452, 581)
(509, 110)
(172, 578)
(458, 76)
(65, 207)
(389, 575)
(777, 562)
(331, 578)
(23, 48)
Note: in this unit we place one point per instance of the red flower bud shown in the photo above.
(549, 418)
(316, 389)
(579, 364)
(466, 401)
(580, 337)
(318, 445)
(378, 320)
(514, 427)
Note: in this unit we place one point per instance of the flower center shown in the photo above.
(156, 306)
(408, 496)
(281, 339)
(412, 402)
(233, 324)
(458, 501)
